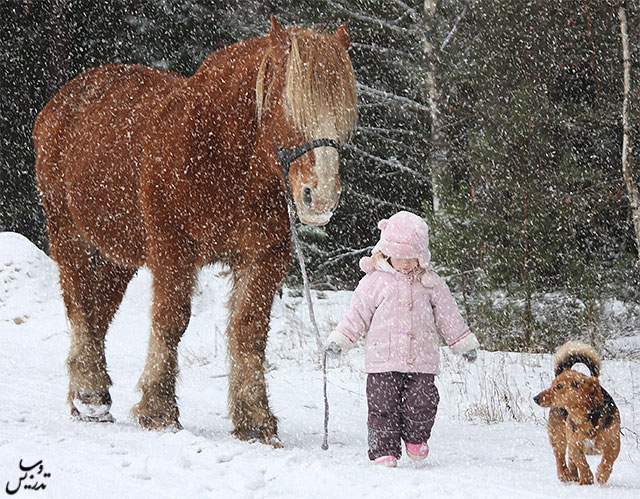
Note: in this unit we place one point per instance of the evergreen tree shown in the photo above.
(533, 190)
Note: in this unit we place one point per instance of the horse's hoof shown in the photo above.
(253, 435)
(159, 423)
(99, 418)
(92, 407)
(273, 441)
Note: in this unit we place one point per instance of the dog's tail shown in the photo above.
(575, 352)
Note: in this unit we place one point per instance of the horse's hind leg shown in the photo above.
(92, 288)
(255, 284)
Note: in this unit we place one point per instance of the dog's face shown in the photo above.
(571, 389)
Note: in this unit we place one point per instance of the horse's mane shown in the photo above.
(320, 86)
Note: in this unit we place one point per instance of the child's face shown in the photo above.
(404, 265)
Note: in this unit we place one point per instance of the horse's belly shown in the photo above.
(103, 202)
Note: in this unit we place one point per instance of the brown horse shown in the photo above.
(139, 166)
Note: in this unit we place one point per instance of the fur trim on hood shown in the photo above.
(377, 262)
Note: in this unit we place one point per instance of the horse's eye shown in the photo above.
(306, 196)
(575, 384)
(559, 386)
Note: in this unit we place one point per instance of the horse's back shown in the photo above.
(118, 86)
(89, 140)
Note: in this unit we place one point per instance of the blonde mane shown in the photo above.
(262, 99)
(320, 91)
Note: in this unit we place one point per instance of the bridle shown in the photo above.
(288, 156)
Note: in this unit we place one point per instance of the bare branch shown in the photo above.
(383, 135)
(377, 201)
(386, 51)
(342, 255)
(412, 104)
(453, 30)
(374, 129)
(415, 16)
(362, 16)
(387, 162)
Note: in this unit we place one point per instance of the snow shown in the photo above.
(489, 439)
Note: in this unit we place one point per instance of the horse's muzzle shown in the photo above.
(316, 220)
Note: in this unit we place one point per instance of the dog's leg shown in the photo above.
(576, 454)
(609, 456)
(572, 471)
(558, 440)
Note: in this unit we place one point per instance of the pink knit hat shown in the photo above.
(404, 235)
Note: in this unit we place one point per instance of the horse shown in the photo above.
(138, 166)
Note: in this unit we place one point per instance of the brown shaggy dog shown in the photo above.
(583, 419)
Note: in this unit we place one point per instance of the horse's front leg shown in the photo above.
(255, 284)
(173, 282)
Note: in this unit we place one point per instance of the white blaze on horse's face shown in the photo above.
(319, 190)
(326, 194)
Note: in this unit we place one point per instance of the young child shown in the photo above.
(401, 304)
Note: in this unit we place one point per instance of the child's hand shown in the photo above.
(333, 350)
(470, 355)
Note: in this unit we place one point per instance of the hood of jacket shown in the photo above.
(404, 235)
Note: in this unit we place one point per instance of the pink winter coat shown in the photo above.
(401, 316)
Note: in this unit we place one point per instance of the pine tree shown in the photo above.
(532, 190)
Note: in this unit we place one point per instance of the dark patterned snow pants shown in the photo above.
(401, 406)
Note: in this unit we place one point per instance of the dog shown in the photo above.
(583, 418)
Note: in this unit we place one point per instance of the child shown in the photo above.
(401, 304)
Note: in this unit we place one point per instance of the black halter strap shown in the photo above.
(288, 156)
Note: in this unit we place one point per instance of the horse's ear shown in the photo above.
(342, 36)
(279, 36)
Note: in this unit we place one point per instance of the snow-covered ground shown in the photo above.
(489, 439)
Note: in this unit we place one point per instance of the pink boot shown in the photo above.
(389, 461)
(417, 451)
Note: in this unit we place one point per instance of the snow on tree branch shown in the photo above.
(387, 51)
(377, 201)
(410, 103)
(362, 16)
(415, 16)
(344, 253)
(453, 30)
(388, 162)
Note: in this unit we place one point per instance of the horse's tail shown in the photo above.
(574, 352)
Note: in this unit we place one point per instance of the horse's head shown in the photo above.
(306, 92)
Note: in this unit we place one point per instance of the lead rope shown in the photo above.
(285, 157)
(307, 292)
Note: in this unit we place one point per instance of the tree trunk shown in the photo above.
(525, 274)
(438, 143)
(57, 34)
(627, 166)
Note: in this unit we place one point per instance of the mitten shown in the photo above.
(336, 344)
(465, 344)
(333, 350)
(470, 355)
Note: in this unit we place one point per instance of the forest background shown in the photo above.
(499, 121)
